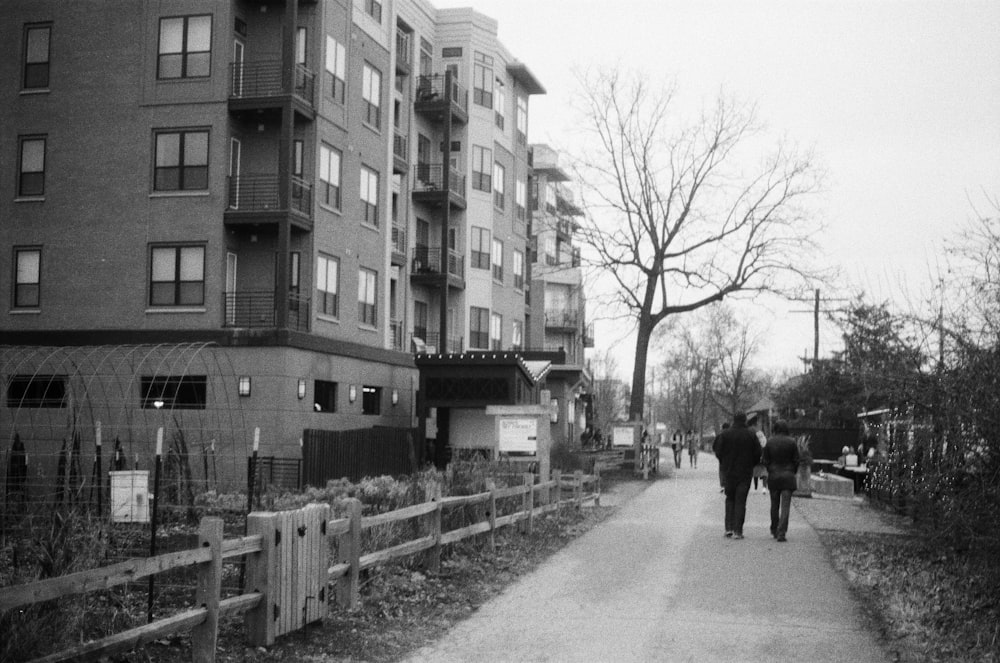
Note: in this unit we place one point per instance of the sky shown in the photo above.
(900, 101)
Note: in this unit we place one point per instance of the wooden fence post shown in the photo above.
(557, 478)
(578, 489)
(432, 560)
(204, 635)
(349, 550)
(491, 513)
(529, 502)
(259, 622)
(597, 486)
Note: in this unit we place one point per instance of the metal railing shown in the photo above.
(432, 89)
(430, 178)
(562, 318)
(399, 146)
(428, 261)
(454, 343)
(398, 239)
(264, 79)
(260, 193)
(258, 309)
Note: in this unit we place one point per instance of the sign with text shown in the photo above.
(623, 436)
(518, 436)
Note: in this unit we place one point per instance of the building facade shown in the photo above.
(317, 190)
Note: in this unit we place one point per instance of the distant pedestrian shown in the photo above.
(738, 452)
(693, 451)
(759, 471)
(676, 444)
(781, 457)
(715, 450)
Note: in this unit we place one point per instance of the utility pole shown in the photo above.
(816, 311)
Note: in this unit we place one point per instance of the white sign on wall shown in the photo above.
(622, 436)
(518, 436)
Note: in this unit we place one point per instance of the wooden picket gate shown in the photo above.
(294, 576)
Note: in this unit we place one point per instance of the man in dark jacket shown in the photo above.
(738, 453)
(781, 457)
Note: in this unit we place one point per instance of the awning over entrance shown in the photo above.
(478, 379)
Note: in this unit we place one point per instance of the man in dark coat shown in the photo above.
(738, 452)
(781, 457)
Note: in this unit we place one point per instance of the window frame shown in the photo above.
(184, 170)
(371, 400)
(367, 297)
(522, 118)
(482, 80)
(25, 288)
(369, 180)
(184, 53)
(177, 281)
(496, 331)
(521, 198)
(517, 269)
(27, 64)
(371, 95)
(499, 185)
(482, 169)
(327, 301)
(479, 248)
(499, 103)
(479, 328)
(496, 259)
(35, 190)
(374, 9)
(328, 390)
(517, 334)
(337, 75)
(326, 174)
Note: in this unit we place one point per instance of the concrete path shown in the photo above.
(659, 582)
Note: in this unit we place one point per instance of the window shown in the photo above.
(185, 47)
(36, 391)
(482, 162)
(369, 194)
(173, 392)
(451, 52)
(420, 315)
(27, 278)
(181, 161)
(480, 248)
(482, 80)
(329, 176)
(426, 57)
(551, 256)
(479, 326)
(517, 335)
(328, 285)
(301, 35)
(177, 276)
(367, 287)
(336, 67)
(522, 119)
(371, 400)
(520, 198)
(498, 260)
(371, 92)
(499, 104)
(31, 176)
(36, 57)
(499, 177)
(550, 197)
(374, 9)
(324, 396)
(518, 269)
(496, 331)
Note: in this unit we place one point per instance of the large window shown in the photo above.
(482, 80)
(177, 276)
(482, 164)
(36, 391)
(173, 392)
(36, 57)
(181, 162)
(324, 396)
(479, 328)
(480, 258)
(185, 47)
(336, 68)
(367, 288)
(329, 176)
(496, 331)
(499, 185)
(371, 93)
(517, 335)
(369, 195)
(498, 260)
(328, 286)
(518, 269)
(522, 119)
(420, 316)
(520, 198)
(500, 104)
(27, 277)
(371, 400)
(31, 175)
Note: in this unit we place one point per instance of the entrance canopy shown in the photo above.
(478, 379)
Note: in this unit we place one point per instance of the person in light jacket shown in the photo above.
(781, 458)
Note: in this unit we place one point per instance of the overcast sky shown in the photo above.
(899, 99)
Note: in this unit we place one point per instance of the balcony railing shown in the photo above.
(431, 89)
(397, 334)
(398, 239)
(249, 80)
(428, 261)
(432, 342)
(257, 309)
(563, 318)
(399, 146)
(259, 193)
(430, 178)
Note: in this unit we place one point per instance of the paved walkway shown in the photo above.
(659, 582)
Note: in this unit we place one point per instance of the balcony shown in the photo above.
(429, 187)
(398, 244)
(588, 335)
(565, 230)
(255, 199)
(562, 319)
(400, 154)
(427, 268)
(436, 99)
(259, 86)
(256, 309)
(431, 344)
(396, 326)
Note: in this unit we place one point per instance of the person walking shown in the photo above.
(759, 471)
(738, 452)
(693, 450)
(781, 457)
(715, 450)
(676, 445)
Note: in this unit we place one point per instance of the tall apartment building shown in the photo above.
(312, 192)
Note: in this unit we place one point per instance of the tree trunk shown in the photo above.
(637, 404)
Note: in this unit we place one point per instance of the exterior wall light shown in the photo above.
(395, 396)
(244, 385)
(352, 393)
(301, 390)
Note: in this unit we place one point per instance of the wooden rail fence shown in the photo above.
(288, 563)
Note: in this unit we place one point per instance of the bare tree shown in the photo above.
(734, 343)
(676, 216)
(609, 391)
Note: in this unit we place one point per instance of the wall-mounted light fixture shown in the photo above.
(301, 390)
(352, 393)
(554, 411)
(395, 396)
(243, 387)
